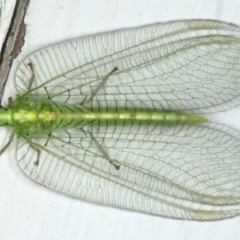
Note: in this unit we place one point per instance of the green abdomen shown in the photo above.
(46, 116)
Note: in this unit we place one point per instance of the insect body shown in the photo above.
(116, 118)
(45, 116)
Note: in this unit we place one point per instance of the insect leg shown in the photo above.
(104, 153)
(32, 77)
(8, 143)
(38, 154)
(31, 144)
(101, 84)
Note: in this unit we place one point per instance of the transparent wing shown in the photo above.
(181, 65)
(189, 172)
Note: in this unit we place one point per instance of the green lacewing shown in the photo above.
(117, 118)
